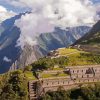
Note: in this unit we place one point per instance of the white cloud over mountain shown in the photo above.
(6, 59)
(5, 14)
(48, 14)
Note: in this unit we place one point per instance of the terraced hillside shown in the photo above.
(79, 57)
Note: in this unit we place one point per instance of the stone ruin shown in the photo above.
(76, 77)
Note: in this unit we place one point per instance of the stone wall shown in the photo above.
(77, 76)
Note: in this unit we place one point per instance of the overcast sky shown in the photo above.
(7, 4)
(9, 8)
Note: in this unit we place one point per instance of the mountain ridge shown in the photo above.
(93, 31)
(47, 42)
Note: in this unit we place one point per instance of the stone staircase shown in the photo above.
(32, 90)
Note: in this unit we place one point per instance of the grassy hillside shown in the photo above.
(67, 57)
(79, 57)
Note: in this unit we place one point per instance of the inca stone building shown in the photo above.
(76, 77)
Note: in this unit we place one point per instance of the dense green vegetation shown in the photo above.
(91, 92)
(13, 86)
(48, 63)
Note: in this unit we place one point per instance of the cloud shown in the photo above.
(31, 27)
(97, 7)
(2, 9)
(5, 14)
(48, 14)
(6, 59)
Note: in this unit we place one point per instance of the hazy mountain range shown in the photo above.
(12, 56)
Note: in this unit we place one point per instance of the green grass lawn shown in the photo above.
(57, 68)
(67, 51)
(53, 75)
(30, 75)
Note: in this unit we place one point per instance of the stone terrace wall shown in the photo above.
(77, 76)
